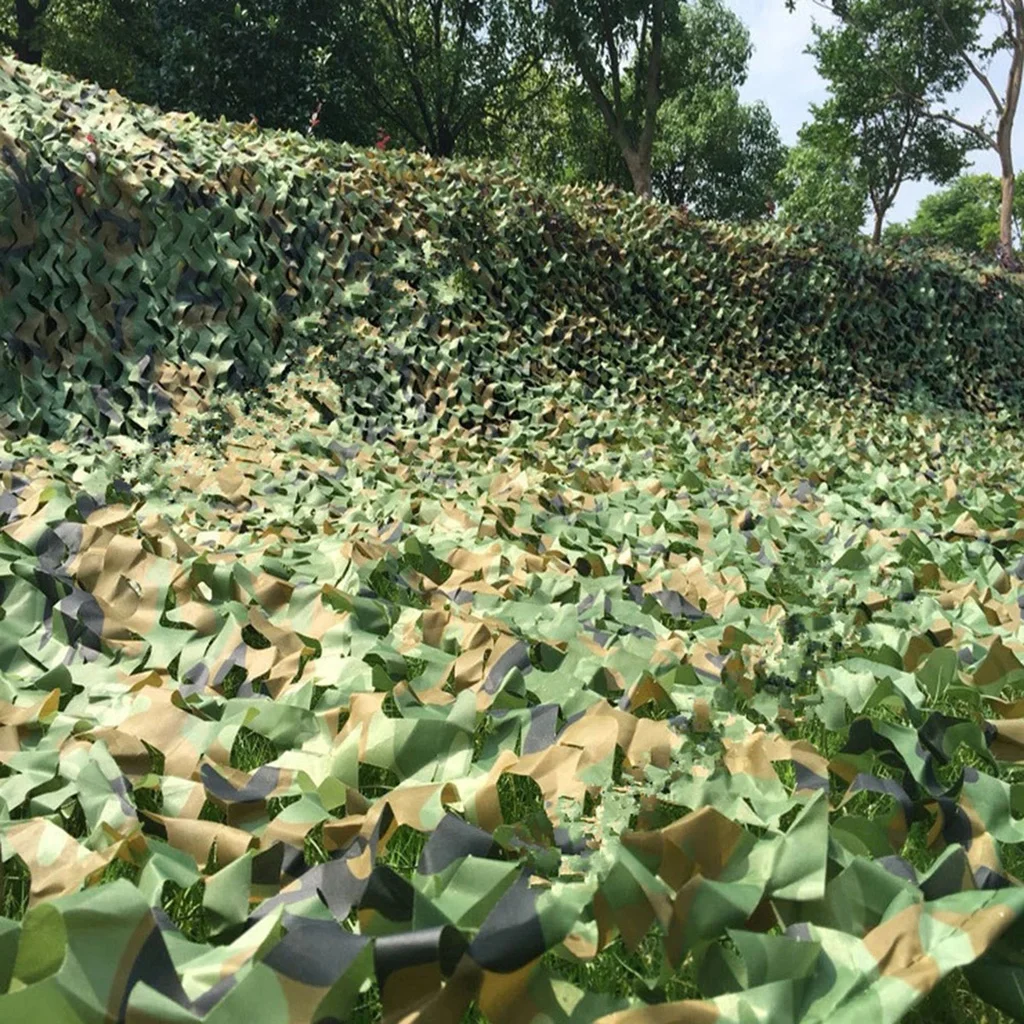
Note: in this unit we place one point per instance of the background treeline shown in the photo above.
(638, 93)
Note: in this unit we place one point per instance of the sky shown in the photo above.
(783, 76)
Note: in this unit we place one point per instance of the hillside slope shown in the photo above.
(146, 259)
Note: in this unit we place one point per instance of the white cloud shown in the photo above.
(784, 77)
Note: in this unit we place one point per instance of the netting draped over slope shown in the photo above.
(145, 258)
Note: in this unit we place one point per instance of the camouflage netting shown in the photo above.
(309, 713)
(146, 260)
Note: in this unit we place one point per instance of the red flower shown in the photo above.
(382, 139)
(91, 139)
(314, 119)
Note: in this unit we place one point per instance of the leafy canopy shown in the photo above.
(884, 69)
(964, 216)
(820, 185)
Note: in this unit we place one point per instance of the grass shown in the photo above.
(376, 782)
(403, 850)
(519, 797)
(370, 1010)
(251, 750)
(185, 908)
(623, 975)
(953, 1001)
(15, 886)
(313, 849)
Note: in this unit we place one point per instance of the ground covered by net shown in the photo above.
(607, 718)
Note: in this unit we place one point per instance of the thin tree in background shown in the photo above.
(439, 71)
(617, 48)
(880, 77)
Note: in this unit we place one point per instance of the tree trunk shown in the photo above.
(26, 52)
(1006, 202)
(1004, 131)
(445, 147)
(876, 234)
(27, 46)
(639, 170)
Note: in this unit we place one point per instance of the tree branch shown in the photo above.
(976, 130)
(1014, 75)
(457, 77)
(533, 62)
(1006, 11)
(973, 129)
(381, 103)
(584, 64)
(653, 78)
(392, 21)
(975, 69)
(613, 58)
(436, 13)
(638, 67)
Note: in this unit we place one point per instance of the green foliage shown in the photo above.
(819, 185)
(884, 70)
(926, 50)
(23, 28)
(963, 216)
(662, 80)
(91, 39)
(712, 153)
(199, 57)
(443, 75)
(561, 138)
(719, 157)
(618, 53)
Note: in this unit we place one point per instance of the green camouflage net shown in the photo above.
(150, 260)
(501, 661)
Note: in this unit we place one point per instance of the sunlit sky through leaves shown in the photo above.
(784, 77)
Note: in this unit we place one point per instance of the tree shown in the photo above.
(698, 145)
(713, 153)
(92, 40)
(200, 56)
(963, 216)
(86, 39)
(977, 31)
(617, 48)
(561, 138)
(441, 73)
(880, 75)
(820, 185)
(718, 157)
(22, 30)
